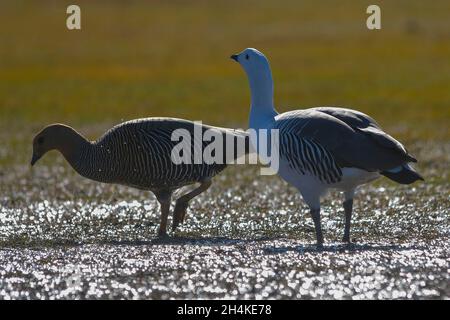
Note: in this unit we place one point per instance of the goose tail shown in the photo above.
(404, 174)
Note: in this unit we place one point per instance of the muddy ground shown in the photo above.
(62, 236)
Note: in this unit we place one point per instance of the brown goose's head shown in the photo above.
(54, 137)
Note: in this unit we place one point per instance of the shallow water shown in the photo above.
(224, 268)
(62, 236)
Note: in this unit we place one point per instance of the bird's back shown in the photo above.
(139, 153)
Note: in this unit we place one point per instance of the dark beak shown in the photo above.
(34, 159)
(235, 57)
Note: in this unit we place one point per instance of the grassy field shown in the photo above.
(251, 234)
(156, 58)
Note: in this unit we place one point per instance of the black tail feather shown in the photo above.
(406, 175)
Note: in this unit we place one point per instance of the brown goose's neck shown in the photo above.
(76, 150)
(91, 160)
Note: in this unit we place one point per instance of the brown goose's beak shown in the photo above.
(235, 57)
(34, 159)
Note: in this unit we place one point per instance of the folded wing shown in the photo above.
(323, 140)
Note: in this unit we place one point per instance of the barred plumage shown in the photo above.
(138, 153)
(305, 154)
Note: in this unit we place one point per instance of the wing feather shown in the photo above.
(324, 140)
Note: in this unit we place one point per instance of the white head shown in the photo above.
(257, 68)
(253, 61)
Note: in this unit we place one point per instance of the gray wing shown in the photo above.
(367, 125)
(349, 138)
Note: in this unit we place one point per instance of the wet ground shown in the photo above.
(62, 236)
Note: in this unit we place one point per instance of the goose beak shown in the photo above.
(34, 159)
(235, 57)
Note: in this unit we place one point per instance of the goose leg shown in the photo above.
(348, 208)
(315, 214)
(164, 198)
(182, 203)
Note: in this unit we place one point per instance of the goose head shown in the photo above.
(254, 62)
(55, 137)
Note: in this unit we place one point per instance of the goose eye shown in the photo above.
(40, 140)
(247, 57)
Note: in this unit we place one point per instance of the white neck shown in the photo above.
(261, 87)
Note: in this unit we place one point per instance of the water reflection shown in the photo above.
(62, 236)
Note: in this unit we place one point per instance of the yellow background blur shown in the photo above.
(171, 58)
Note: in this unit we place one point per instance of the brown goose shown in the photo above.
(138, 154)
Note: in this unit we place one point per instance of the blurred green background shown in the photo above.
(171, 58)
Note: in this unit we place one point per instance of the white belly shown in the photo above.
(353, 177)
(312, 189)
